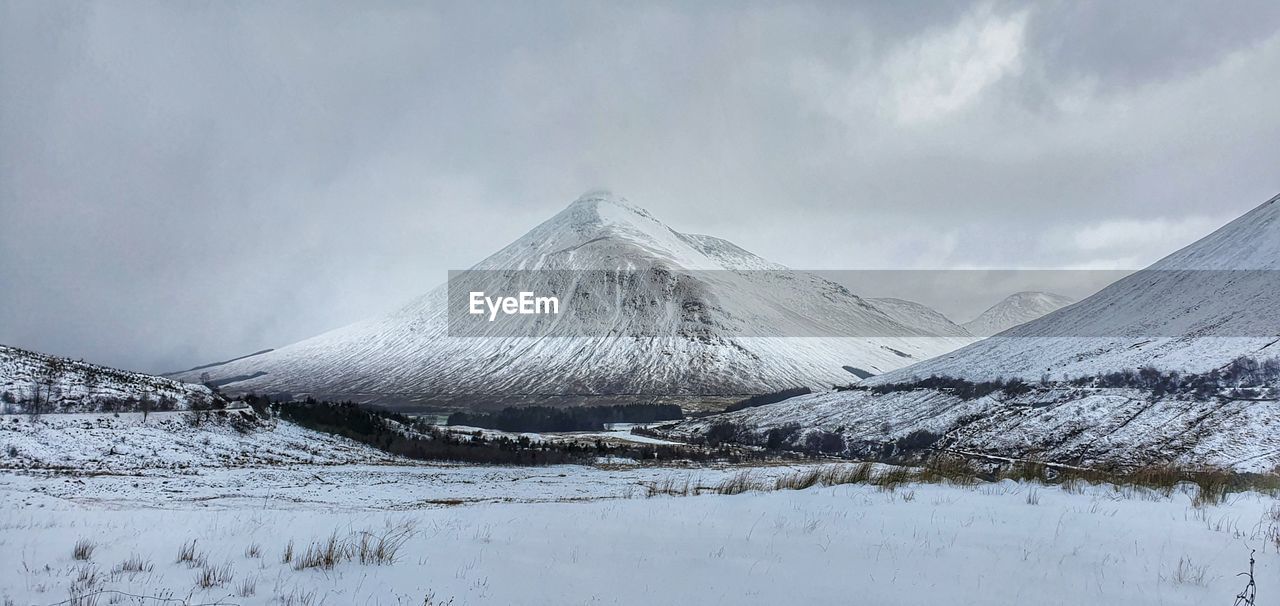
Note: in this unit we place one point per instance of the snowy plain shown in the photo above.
(98, 509)
(592, 541)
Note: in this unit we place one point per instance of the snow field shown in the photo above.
(1002, 543)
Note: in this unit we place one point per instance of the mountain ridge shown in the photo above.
(1193, 310)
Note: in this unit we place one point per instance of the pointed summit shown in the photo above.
(1017, 308)
(684, 334)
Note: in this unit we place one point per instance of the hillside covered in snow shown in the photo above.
(1197, 309)
(36, 382)
(648, 311)
(1176, 364)
(1017, 308)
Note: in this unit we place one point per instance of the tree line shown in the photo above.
(1244, 377)
(405, 436)
(577, 418)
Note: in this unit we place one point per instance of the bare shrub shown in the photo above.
(1249, 594)
(83, 549)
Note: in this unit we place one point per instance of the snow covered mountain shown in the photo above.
(648, 311)
(1017, 308)
(919, 314)
(1195, 310)
(64, 385)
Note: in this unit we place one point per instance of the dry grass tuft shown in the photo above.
(670, 486)
(324, 554)
(84, 589)
(193, 559)
(890, 479)
(213, 576)
(83, 549)
(379, 549)
(135, 564)
(738, 483)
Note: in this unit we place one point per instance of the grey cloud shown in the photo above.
(188, 182)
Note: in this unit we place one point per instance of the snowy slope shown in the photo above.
(1173, 319)
(1017, 308)
(1080, 426)
(919, 314)
(73, 386)
(1194, 310)
(700, 325)
(171, 440)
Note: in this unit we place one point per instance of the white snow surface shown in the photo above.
(76, 386)
(1162, 317)
(992, 544)
(1017, 308)
(699, 348)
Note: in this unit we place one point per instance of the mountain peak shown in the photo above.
(1017, 308)
(605, 207)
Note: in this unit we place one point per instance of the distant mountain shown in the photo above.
(1195, 310)
(919, 314)
(66, 385)
(649, 312)
(1017, 308)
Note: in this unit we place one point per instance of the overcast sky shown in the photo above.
(185, 182)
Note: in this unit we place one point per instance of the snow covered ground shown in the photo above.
(591, 541)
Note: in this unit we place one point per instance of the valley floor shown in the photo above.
(587, 535)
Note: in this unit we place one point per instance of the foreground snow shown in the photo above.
(1004, 543)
